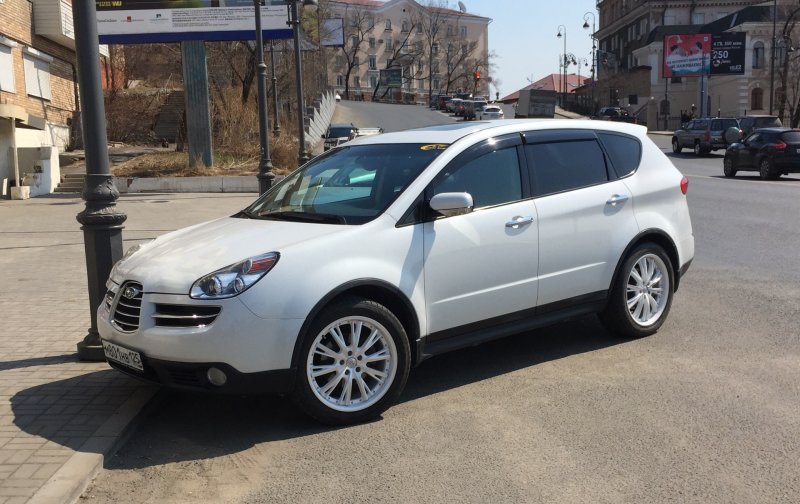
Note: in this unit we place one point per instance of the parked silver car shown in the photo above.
(706, 135)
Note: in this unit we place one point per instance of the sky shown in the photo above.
(523, 36)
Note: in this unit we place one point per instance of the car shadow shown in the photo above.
(755, 178)
(185, 426)
(689, 155)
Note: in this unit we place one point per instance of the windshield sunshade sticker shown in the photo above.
(434, 147)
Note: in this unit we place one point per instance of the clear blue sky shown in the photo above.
(523, 36)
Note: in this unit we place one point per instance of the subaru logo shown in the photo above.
(130, 292)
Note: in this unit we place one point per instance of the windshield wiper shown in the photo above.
(246, 214)
(304, 217)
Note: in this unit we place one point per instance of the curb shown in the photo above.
(69, 482)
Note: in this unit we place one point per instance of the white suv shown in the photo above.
(396, 247)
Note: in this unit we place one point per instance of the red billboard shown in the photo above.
(687, 55)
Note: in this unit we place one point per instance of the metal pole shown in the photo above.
(265, 175)
(101, 221)
(276, 126)
(302, 156)
(772, 60)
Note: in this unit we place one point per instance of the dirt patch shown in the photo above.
(176, 164)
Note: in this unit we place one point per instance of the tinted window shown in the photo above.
(767, 122)
(339, 132)
(625, 152)
(716, 125)
(700, 125)
(755, 137)
(563, 166)
(791, 137)
(491, 179)
(729, 123)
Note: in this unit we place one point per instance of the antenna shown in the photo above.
(462, 7)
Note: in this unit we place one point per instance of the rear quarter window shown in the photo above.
(791, 137)
(624, 152)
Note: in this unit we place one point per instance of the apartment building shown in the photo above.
(431, 48)
(630, 57)
(38, 92)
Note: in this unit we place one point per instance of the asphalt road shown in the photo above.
(707, 410)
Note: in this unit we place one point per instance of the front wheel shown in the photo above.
(355, 360)
(676, 146)
(698, 150)
(642, 293)
(728, 168)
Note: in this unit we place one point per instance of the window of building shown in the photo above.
(435, 67)
(37, 73)
(357, 81)
(435, 48)
(449, 30)
(463, 32)
(340, 80)
(355, 61)
(698, 18)
(373, 62)
(758, 55)
(354, 41)
(388, 24)
(7, 65)
(669, 20)
(757, 99)
(339, 61)
(437, 84)
(372, 42)
(404, 26)
(390, 44)
(373, 81)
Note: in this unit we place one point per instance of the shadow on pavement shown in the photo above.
(38, 361)
(182, 426)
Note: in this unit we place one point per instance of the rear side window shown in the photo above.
(700, 125)
(624, 152)
(729, 123)
(562, 166)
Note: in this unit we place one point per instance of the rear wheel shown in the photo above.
(727, 167)
(355, 361)
(642, 293)
(766, 170)
(698, 151)
(676, 146)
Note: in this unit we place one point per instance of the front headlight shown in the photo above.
(234, 279)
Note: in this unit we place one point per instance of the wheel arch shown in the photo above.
(376, 290)
(660, 238)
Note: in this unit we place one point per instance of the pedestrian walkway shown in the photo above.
(60, 417)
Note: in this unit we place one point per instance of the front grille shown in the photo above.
(170, 315)
(129, 306)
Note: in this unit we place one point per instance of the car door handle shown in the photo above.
(617, 198)
(518, 221)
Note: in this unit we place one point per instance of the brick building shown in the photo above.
(38, 92)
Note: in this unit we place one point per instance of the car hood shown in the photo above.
(173, 262)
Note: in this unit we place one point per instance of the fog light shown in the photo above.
(216, 376)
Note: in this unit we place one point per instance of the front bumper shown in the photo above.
(193, 376)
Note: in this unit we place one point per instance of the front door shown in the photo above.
(482, 265)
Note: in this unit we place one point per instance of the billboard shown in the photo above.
(392, 77)
(727, 53)
(144, 21)
(687, 55)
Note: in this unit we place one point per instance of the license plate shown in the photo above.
(124, 356)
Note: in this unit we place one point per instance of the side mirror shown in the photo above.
(732, 135)
(454, 203)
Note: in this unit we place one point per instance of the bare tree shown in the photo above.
(433, 22)
(789, 69)
(404, 54)
(359, 25)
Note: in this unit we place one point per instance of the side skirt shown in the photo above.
(513, 323)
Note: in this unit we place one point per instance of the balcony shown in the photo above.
(53, 19)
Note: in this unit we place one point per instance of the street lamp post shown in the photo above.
(294, 22)
(276, 126)
(101, 221)
(594, 48)
(564, 67)
(265, 175)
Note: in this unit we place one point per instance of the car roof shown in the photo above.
(774, 130)
(758, 116)
(450, 133)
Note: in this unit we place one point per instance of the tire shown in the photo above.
(331, 363)
(698, 151)
(765, 169)
(728, 168)
(676, 146)
(646, 279)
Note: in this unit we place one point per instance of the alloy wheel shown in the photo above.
(647, 290)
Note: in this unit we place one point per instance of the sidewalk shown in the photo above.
(60, 417)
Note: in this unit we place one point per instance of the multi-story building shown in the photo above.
(433, 49)
(38, 92)
(630, 57)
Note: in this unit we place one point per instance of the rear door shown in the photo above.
(585, 214)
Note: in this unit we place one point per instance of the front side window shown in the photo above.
(563, 166)
(348, 185)
(491, 179)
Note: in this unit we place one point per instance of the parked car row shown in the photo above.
(751, 143)
(467, 106)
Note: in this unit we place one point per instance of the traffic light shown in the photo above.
(477, 75)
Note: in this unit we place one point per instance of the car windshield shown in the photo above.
(339, 132)
(350, 185)
(792, 137)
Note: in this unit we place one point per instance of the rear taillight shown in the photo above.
(707, 136)
(779, 145)
(684, 185)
